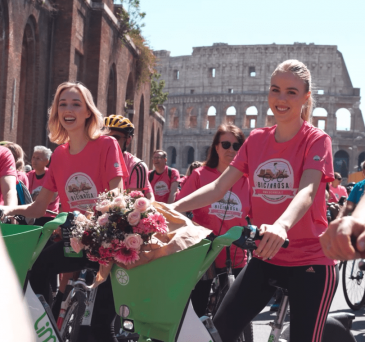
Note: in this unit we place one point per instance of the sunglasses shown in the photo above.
(226, 145)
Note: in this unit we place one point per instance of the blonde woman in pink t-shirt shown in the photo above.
(288, 166)
(84, 155)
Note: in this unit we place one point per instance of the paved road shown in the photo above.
(262, 330)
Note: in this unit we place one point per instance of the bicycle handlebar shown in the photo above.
(251, 233)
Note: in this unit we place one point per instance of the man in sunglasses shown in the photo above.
(122, 130)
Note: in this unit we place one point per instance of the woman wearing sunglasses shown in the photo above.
(288, 166)
(228, 211)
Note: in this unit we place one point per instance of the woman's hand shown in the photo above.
(273, 238)
(336, 240)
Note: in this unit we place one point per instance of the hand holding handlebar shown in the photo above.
(273, 237)
(249, 235)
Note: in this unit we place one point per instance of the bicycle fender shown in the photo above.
(42, 325)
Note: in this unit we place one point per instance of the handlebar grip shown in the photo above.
(250, 233)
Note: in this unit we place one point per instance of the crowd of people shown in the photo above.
(282, 177)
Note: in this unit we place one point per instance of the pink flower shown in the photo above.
(134, 217)
(105, 252)
(159, 223)
(144, 227)
(103, 206)
(103, 219)
(136, 194)
(76, 244)
(126, 255)
(133, 241)
(119, 202)
(141, 204)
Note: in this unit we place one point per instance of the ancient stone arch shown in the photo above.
(27, 87)
(112, 91)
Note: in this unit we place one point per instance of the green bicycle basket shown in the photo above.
(156, 294)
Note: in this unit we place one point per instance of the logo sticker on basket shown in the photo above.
(122, 277)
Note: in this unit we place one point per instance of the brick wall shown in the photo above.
(79, 41)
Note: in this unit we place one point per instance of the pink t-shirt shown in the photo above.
(79, 178)
(138, 176)
(161, 184)
(217, 216)
(7, 166)
(23, 177)
(338, 193)
(35, 187)
(274, 170)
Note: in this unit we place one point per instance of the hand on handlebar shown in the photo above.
(273, 238)
(344, 239)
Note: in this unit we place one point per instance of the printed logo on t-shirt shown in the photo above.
(317, 158)
(228, 208)
(36, 192)
(161, 188)
(116, 165)
(274, 181)
(81, 191)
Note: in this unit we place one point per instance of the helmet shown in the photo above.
(119, 123)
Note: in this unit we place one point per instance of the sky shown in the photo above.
(178, 26)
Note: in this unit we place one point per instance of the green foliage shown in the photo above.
(132, 16)
(158, 97)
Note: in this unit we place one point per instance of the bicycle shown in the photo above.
(160, 308)
(353, 283)
(220, 286)
(24, 244)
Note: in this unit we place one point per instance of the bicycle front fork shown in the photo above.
(277, 325)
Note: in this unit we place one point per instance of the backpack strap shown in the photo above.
(151, 175)
(169, 171)
(140, 173)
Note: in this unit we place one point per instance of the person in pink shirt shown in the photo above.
(18, 154)
(40, 159)
(8, 177)
(164, 180)
(85, 164)
(337, 189)
(231, 210)
(122, 129)
(288, 166)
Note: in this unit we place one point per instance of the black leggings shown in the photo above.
(311, 289)
(200, 294)
(51, 262)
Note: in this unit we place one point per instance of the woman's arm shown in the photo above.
(8, 190)
(35, 209)
(116, 185)
(274, 235)
(209, 193)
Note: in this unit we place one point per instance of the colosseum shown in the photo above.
(229, 83)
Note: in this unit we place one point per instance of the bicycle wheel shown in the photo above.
(73, 317)
(353, 283)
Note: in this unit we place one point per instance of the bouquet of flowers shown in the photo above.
(118, 228)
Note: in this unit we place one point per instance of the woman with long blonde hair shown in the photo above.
(288, 166)
(85, 164)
